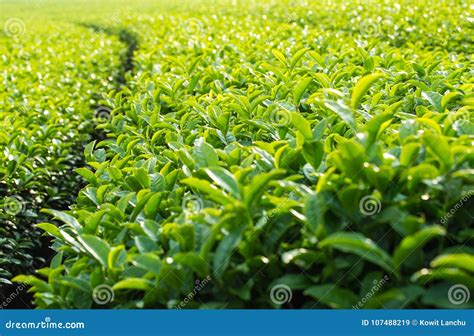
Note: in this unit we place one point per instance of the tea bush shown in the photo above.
(48, 92)
(314, 148)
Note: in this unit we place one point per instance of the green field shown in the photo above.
(236, 154)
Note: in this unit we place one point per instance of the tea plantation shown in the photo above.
(237, 154)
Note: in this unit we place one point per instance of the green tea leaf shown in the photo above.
(65, 218)
(97, 248)
(460, 260)
(439, 147)
(435, 100)
(343, 111)
(360, 245)
(149, 262)
(313, 153)
(300, 89)
(362, 86)
(301, 125)
(133, 283)
(224, 179)
(332, 296)
(205, 155)
(414, 242)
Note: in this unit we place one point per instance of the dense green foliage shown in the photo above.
(317, 146)
(48, 89)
